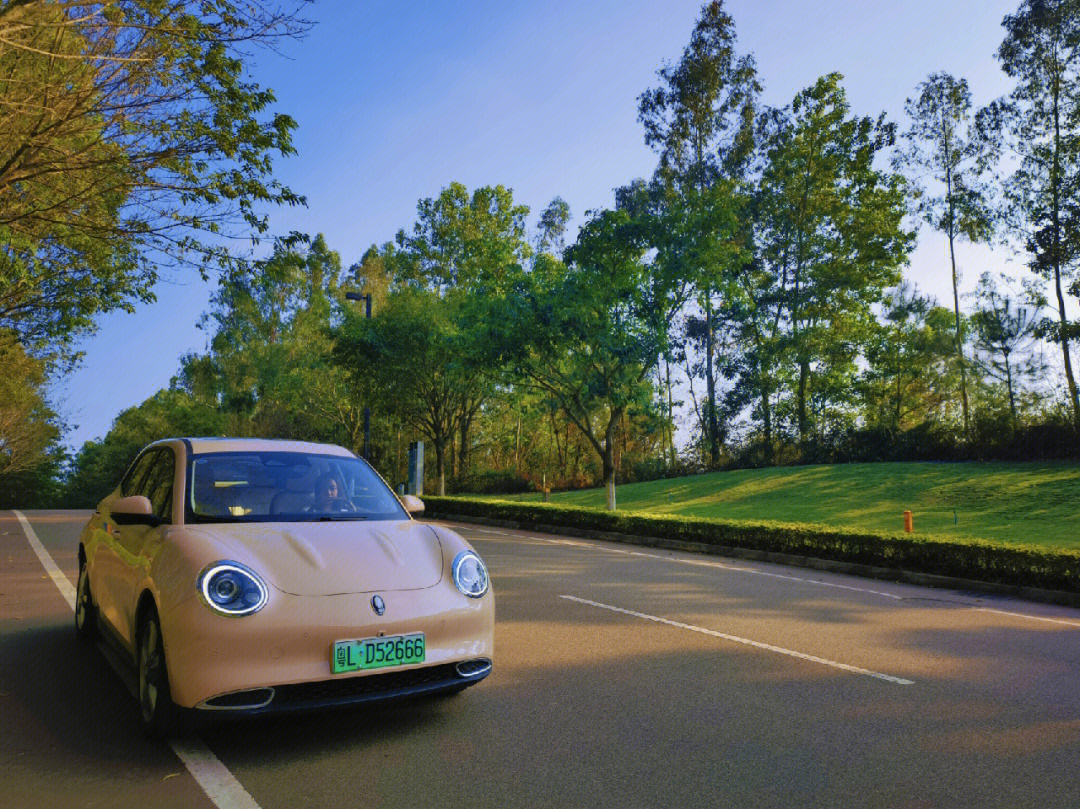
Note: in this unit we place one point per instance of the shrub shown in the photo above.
(1019, 565)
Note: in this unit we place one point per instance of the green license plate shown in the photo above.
(376, 653)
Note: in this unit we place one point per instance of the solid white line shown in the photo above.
(59, 579)
(220, 785)
(1030, 617)
(722, 566)
(216, 781)
(746, 642)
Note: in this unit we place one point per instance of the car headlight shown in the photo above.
(230, 588)
(470, 574)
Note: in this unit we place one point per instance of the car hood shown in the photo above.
(332, 558)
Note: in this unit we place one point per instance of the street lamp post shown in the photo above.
(366, 298)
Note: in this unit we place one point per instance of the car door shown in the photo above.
(137, 543)
(106, 571)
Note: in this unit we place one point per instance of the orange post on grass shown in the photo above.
(907, 522)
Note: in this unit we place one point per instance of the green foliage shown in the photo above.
(98, 466)
(830, 230)
(1021, 565)
(29, 429)
(908, 380)
(1041, 52)
(146, 144)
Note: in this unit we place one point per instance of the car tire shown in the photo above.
(159, 713)
(85, 611)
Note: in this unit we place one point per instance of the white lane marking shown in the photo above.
(59, 579)
(722, 566)
(739, 569)
(1030, 617)
(220, 785)
(216, 781)
(745, 641)
(489, 531)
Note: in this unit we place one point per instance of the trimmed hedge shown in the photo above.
(1019, 565)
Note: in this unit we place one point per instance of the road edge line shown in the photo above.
(213, 777)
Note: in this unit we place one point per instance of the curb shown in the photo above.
(1058, 597)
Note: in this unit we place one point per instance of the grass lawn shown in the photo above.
(1036, 503)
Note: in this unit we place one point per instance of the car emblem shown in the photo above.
(378, 605)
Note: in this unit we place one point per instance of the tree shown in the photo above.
(1002, 331)
(98, 466)
(944, 147)
(29, 429)
(700, 119)
(460, 240)
(412, 352)
(1041, 52)
(551, 235)
(907, 360)
(830, 228)
(130, 139)
(587, 333)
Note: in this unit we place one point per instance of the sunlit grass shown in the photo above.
(1011, 502)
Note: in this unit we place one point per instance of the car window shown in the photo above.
(133, 480)
(287, 486)
(158, 484)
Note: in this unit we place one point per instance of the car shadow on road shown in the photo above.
(64, 690)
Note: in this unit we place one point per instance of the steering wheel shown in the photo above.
(333, 504)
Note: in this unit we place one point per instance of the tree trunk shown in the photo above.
(959, 338)
(804, 377)
(440, 464)
(766, 423)
(1055, 181)
(712, 432)
(671, 416)
(609, 473)
(463, 447)
(1009, 382)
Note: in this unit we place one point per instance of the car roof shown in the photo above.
(200, 445)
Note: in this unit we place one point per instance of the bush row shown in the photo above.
(1020, 565)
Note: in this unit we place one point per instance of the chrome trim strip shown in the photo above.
(202, 706)
(476, 673)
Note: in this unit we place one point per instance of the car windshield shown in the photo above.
(287, 487)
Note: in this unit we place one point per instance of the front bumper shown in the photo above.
(415, 681)
(286, 646)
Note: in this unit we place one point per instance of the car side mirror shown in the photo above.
(412, 503)
(134, 510)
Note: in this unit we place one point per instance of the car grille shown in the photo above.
(354, 687)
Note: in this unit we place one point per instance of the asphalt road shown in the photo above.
(623, 677)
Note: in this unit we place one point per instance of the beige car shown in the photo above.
(251, 576)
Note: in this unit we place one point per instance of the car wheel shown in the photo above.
(155, 700)
(85, 613)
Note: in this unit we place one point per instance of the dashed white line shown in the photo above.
(220, 785)
(1030, 617)
(745, 641)
(818, 582)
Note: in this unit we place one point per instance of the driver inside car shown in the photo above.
(329, 495)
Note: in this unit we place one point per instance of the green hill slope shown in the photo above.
(1012, 502)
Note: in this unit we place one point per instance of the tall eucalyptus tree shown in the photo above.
(700, 119)
(945, 158)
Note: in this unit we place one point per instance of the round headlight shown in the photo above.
(470, 574)
(230, 588)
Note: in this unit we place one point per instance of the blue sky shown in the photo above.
(396, 100)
